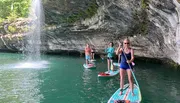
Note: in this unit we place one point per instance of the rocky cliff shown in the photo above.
(151, 25)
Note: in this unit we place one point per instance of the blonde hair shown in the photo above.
(126, 39)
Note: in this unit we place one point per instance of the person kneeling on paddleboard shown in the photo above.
(87, 54)
(127, 57)
(110, 55)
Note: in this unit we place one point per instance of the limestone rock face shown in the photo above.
(151, 25)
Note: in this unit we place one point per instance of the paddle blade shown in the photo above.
(133, 64)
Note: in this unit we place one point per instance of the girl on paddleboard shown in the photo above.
(127, 57)
(110, 55)
(87, 53)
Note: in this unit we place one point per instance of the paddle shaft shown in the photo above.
(131, 70)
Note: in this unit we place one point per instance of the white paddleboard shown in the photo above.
(89, 66)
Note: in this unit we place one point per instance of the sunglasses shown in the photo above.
(126, 43)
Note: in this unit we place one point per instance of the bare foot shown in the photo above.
(132, 93)
(120, 93)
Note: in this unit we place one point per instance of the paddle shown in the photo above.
(131, 69)
(102, 57)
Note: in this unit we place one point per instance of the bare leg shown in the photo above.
(87, 62)
(130, 80)
(122, 74)
(112, 65)
(118, 58)
(108, 64)
(91, 56)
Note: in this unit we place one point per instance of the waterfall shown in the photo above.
(33, 38)
(178, 30)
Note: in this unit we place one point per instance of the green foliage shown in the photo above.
(141, 20)
(12, 29)
(1, 20)
(17, 29)
(11, 9)
(12, 17)
(141, 23)
(144, 4)
(24, 29)
(82, 14)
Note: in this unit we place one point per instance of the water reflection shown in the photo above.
(17, 86)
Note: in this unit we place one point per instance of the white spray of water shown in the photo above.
(36, 16)
(33, 39)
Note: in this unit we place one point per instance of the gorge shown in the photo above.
(151, 25)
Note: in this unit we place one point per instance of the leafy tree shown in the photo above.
(14, 8)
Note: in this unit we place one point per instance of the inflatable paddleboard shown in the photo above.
(126, 96)
(108, 74)
(89, 66)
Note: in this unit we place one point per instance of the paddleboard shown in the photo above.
(108, 74)
(126, 96)
(116, 64)
(89, 66)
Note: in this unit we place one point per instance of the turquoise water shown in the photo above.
(62, 79)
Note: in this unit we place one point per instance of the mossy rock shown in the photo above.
(81, 14)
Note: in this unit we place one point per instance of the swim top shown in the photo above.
(87, 51)
(124, 64)
(110, 51)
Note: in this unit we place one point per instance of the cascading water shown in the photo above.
(178, 30)
(36, 16)
(32, 40)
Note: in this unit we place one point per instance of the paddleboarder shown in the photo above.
(110, 55)
(128, 52)
(87, 54)
(92, 52)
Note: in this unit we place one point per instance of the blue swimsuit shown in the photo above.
(123, 64)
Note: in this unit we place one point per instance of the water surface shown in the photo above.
(62, 79)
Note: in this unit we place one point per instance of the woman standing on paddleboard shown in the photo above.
(110, 55)
(128, 52)
(87, 53)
